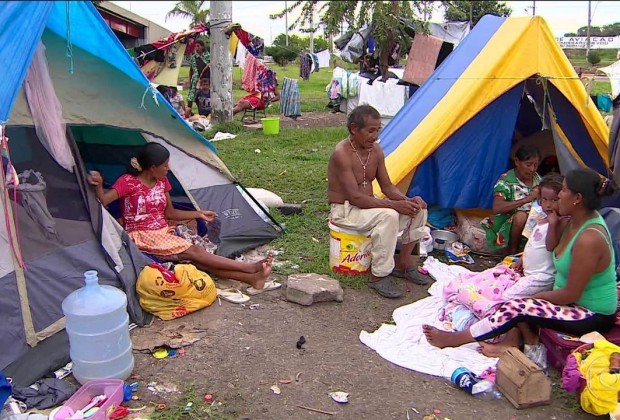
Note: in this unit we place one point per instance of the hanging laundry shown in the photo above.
(233, 41)
(387, 97)
(323, 58)
(248, 80)
(422, 58)
(266, 82)
(161, 60)
(613, 72)
(240, 55)
(290, 104)
(305, 66)
(254, 44)
(355, 47)
(315, 62)
(371, 44)
(453, 32)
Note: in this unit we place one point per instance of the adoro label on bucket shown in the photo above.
(349, 253)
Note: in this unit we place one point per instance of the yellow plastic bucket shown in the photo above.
(271, 125)
(349, 251)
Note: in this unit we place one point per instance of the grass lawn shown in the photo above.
(294, 166)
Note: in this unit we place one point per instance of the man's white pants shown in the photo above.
(382, 225)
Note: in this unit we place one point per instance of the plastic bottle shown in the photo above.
(486, 389)
(468, 382)
(98, 327)
(464, 379)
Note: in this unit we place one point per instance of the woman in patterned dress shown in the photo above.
(199, 68)
(513, 195)
(146, 208)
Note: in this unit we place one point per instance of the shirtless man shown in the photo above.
(354, 164)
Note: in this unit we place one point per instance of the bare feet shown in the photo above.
(263, 273)
(443, 339)
(259, 266)
(493, 350)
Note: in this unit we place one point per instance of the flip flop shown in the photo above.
(270, 285)
(385, 288)
(232, 295)
(412, 275)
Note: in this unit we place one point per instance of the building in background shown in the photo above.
(132, 30)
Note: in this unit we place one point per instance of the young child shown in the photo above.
(176, 100)
(203, 98)
(536, 263)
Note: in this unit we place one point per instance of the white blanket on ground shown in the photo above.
(405, 345)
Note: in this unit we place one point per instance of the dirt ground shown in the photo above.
(316, 119)
(246, 351)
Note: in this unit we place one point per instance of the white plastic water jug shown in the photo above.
(98, 327)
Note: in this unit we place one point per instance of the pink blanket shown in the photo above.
(481, 292)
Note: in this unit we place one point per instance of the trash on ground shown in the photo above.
(317, 410)
(340, 397)
(297, 376)
(160, 353)
(275, 389)
(156, 388)
(208, 398)
(285, 381)
(301, 342)
(160, 334)
(220, 135)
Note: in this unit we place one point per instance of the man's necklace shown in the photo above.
(364, 182)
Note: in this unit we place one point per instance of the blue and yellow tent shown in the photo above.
(452, 140)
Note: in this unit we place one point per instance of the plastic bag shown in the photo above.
(537, 353)
(170, 295)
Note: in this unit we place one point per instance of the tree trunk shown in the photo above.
(221, 63)
(384, 56)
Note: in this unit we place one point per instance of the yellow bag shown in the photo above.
(171, 297)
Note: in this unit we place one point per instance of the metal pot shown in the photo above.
(442, 239)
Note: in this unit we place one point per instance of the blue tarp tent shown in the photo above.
(102, 110)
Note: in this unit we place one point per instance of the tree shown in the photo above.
(387, 17)
(607, 30)
(298, 43)
(461, 10)
(190, 9)
(283, 54)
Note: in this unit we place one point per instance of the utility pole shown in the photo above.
(471, 14)
(286, 21)
(221, 62)
(312, 29)
(533, 7)
(588, 30)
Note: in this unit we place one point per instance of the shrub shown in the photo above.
(282, 55)
(594, 58)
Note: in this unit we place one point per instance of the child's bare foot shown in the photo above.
(443, 339)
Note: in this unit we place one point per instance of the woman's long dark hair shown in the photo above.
(152, 154)
(591, 186)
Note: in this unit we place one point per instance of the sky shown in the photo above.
(562, 16)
